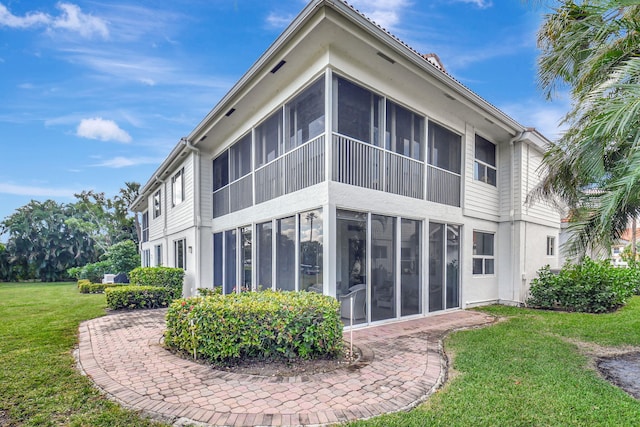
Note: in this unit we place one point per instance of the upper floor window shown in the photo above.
(357, 112)
(305, 115)
(483, 253)
(221, 171)
(444, 149)
(551, 246)
(404, 131)
(177, 188)
(145, 227)
(157, 204)
(485, 162)
(268, 137)
(240, 158)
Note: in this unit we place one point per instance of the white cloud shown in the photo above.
(71, 19)
(104, 130)
(482, 4)
(34, 191)
(279, 21)
(545, 116)
(385, 13)
(123, 162)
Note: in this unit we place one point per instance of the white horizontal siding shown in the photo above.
(180, 216)
(478, 196)
(531, 162)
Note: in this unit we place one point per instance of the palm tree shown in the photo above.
(592, 47)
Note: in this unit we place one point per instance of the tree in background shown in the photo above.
(45, 239)
(592, 47)
(123, 257)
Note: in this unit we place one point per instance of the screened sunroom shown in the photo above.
(375, 260)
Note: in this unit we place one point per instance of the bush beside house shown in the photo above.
(137, 297)
(591, 287)
(166, 277)
(266, 325)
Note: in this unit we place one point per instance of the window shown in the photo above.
(158, 252)
(305, 115)
(221, 171)
(146, 258)
(157, 204)
(485, 164)
(264, 257)
(444, 148)
(218, 259)
(551, 246)
(145, 227)
(483, 258)
(177, 188)
(269, 139)
(240, 158)
(179, 248)
(404, 131)
(357, 112)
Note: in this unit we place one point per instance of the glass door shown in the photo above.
(444, 268)
(351, 266)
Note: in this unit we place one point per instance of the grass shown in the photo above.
(526, 372)
(521, 372)
(39, 384)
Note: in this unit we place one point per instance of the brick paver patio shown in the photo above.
(122, 353)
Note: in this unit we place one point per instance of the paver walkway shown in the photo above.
(123, 355)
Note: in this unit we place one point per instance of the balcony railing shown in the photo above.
(365, 165)
(443, 186)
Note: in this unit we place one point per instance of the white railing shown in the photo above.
(443, 186)
(300, 168)
(365, 165)
(357, 163)
(405, 176)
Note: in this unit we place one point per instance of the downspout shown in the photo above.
(512, 208)
(196, 207)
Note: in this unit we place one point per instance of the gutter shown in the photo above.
(197, 219)
(517, 138)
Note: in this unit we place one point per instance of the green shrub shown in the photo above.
(166, 277)
(591, 287)
(96, 288)
(123, 257)
(83, 282)
(271, 325)
(133, 297)
(207, 292)
(92, 272)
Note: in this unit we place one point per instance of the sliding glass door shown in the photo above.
(444, 256)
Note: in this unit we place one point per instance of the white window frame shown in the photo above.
(176, 244)
(146, 258)
(177, 188)
(551, 245)
(158, 255)
(484, 257)
(145, 227)
(479, 164)
(157, 204)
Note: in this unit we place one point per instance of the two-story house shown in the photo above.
(346, 163)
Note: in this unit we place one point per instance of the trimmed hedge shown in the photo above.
(133, 297)
(268, 325)
(590, 287)
(95, 288)
(166, 277)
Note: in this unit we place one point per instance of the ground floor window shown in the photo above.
(378, 266)
(483, 250)
(180, 253)
(281, 254)
(146, 258)
(444, 271)
(158, 254)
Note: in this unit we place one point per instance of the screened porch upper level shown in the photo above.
(367, 140)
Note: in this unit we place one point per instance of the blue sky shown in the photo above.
(97, 93)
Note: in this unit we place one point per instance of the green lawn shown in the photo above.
(526, 372)
(520, 372)
(39, 385)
